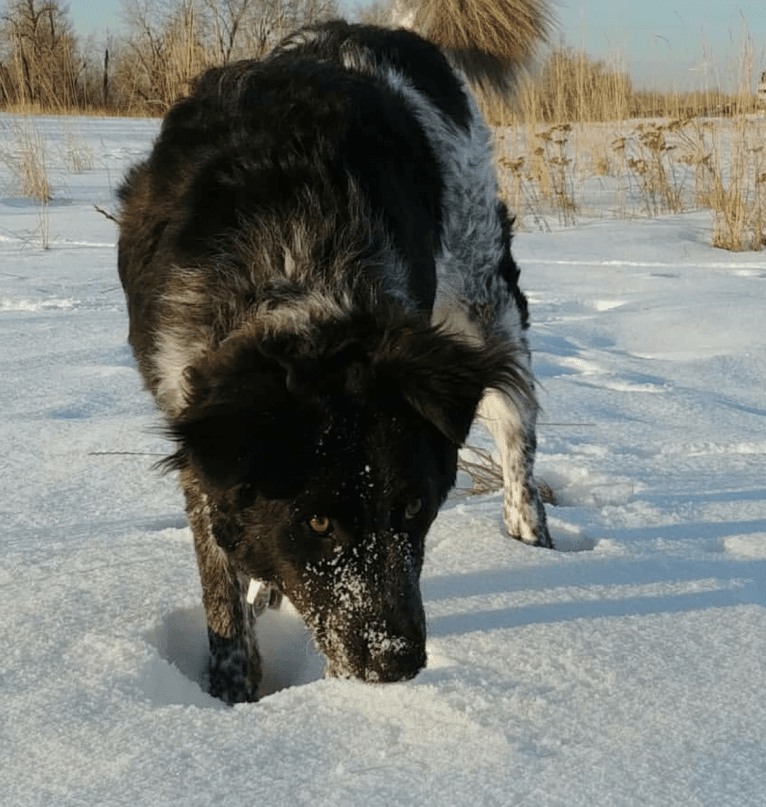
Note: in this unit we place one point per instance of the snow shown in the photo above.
(627, 671)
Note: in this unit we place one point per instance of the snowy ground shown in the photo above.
(628, 673)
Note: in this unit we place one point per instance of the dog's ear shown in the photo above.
(241, 424)
(238, 374)
(443, 378)
(269, 452)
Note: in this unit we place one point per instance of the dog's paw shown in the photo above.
(528, 524)
(228, 673)
(532, 536)
(535, 537)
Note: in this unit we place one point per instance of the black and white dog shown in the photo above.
(322, 298)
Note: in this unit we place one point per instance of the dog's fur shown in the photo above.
(322, 297)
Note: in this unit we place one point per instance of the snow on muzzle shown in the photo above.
(367, 615)
(375, 650)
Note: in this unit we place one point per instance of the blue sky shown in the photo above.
(663, 43)
(684, 42)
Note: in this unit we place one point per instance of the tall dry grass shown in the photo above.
(576, 119)
(737, 196)
(24, 154)
(571, 87)
(640, 169)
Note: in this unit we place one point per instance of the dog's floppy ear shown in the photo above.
(238, 374)
(269, 452)
(242, 424)
(443, 378)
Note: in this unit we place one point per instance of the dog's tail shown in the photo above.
(489, 40)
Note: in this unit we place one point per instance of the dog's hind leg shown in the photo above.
(485, 304)
(510, 414)
(511, 422)
(235, 663)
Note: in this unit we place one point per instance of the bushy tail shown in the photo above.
(489, 40)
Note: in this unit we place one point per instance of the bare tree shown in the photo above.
(171, 42)
(226, 19)
(165, 50)
(250, 28)
(43, 64)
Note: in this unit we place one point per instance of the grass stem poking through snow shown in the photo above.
(487, 476)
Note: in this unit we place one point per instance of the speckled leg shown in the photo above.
(513, 427)
(235, 663)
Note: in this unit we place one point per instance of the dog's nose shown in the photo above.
(403, 655)
(412, 625)
(399, 666)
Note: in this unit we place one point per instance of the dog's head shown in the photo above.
(324, 464)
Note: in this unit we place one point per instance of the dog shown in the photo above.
(321, 299)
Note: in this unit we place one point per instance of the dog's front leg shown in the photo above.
(512, 424)
(235, 663)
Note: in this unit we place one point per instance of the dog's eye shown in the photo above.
(412, 508)
(321, 525)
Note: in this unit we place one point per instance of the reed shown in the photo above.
(25, 158)
(738, 194)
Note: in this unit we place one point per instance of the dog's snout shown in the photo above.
(411, 624)
(405, 663)
(403, 654)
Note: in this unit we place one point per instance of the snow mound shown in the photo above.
(747, 546)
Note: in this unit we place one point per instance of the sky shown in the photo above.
(680, 44)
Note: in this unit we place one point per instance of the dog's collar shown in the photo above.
(258, 594)
(261, 595)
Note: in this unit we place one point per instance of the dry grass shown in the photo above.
(32, 170)
(738, 196)
(168, 44)
(705, 140)
(649, 157)
(78, 154)
(487, 475)
(25, 159)
(86, 110)
(647, 169)
(552, 153)
(571, 87)
(546, 152)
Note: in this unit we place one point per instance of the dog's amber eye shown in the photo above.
(320, 524)
(413, 508)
